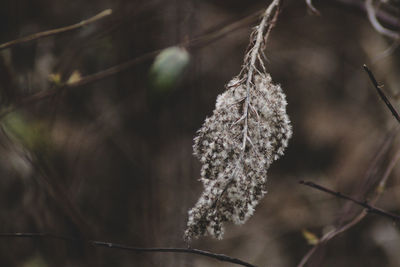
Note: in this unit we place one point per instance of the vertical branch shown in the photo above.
(262, 31)
(234, 176)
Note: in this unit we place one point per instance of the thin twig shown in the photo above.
(378, 192)
(381, 93)
(220, 257)
(331, 234)
(312, 8)
(387, 52)
(40, 35)
(206, 38)
(258, 39)
(376, 24)
(196, 42)
(383, 15)
(385, 177)
(369, 208)
(82, 81)
(254, 52)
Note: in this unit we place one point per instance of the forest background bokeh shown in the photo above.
(112, 159)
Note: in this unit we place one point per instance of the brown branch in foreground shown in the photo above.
(40, 35)
(364, 204)
(220, 257)
(381, 93)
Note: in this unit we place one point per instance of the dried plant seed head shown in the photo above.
(234, 182)
(248, 130)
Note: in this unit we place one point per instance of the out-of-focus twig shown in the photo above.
(220, 257)
(383, 149)
(312, 8)
(374, 16)
(376, 24)
(40, 35)
(387, 52)
(218, 33)
(364, 204)
(367, 209)
(382, 15)
(381, 93)
(197, 42)
(82, 81)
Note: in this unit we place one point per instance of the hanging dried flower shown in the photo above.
(248, 130)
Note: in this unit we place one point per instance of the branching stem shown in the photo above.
(262, 31)
(383, 150)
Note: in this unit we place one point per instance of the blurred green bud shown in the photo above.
(34, 135)
(168, 67)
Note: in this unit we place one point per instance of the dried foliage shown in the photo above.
(91, 151)
(248, 130)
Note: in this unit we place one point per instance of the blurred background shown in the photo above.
(111, 159)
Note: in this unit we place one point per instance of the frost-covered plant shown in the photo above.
(248, 130)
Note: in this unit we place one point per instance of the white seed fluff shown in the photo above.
(234, 179)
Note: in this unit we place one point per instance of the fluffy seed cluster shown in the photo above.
(234, 174)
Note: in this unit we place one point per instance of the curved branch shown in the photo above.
(312, 8)
(197, 42)
(376, 24)
(220, 257)
(40, 35)
(382, 15)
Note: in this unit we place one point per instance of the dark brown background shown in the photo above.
(112, 160)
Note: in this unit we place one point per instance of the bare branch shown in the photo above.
(364, 204)
(381, 93)
(40, 35)
(312, 8)
(262, 33)
(196, 42)
(389, 139)
(218, 33)
(381, 14)
(82, 81)
(387, 52)
(374, 16)
(376, 24)
(220, 257)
